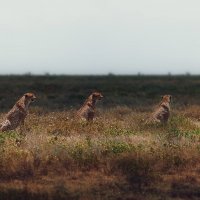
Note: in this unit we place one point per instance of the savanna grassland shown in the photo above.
(117, 156)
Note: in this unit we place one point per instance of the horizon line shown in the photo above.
(103, 74)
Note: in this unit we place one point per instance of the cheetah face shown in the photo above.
(167, 98)
(30, 97)
(97, 95)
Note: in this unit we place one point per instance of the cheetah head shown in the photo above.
(97, 96)
(30, 97)
(167, 98)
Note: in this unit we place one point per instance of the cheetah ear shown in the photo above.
(26, 95)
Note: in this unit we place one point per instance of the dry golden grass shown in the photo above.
(116, 156)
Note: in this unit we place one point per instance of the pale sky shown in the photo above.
(99, 36)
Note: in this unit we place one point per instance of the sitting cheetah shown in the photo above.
(87, 111)
(18, 113)
(162, 113)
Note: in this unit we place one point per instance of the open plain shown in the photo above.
(118, 156)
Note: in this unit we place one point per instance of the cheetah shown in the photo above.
(18, 113)
(162, 113)
(87, 111)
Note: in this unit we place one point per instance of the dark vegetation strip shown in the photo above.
(58, 92)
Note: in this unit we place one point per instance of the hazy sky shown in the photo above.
(99, 36)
